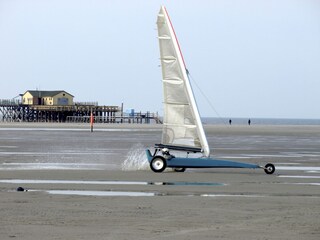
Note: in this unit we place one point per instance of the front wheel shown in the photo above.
(269, 168)
(158, 164)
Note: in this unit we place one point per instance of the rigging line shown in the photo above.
(204, 95)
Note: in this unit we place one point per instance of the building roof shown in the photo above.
(37, 93)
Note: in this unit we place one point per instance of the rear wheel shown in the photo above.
(158, 164)
(269, 168)
(179, 169)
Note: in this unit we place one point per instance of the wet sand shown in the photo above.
(197, 204)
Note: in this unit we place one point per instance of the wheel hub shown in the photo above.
(158, 164)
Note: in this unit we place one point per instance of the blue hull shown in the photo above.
(178, 162)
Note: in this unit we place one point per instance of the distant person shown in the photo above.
(249, 122)
(230, 121)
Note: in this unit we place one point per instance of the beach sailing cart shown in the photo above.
(182, 126)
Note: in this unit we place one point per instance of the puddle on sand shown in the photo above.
(230, 195)
(140, 194)
(56, 166)
(312, 184)
(187, 183)
(32, 181)
(298, 176)
(27, 181)
(102, 193)
(298, 168)
(146, 194)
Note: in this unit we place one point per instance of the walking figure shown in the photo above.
(230, 121)
(249, 122)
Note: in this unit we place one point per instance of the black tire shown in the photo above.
(158, 164)
(269, 168)
(179, 169)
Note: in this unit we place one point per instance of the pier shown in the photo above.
(14, 111)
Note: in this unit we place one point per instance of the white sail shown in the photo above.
(181, 124)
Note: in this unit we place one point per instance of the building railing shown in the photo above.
(10, 102)
(125, 118)
(13, 110)
(86, 103)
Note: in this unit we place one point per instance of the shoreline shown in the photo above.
(141, 125)
(210, 129)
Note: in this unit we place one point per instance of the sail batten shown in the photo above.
(182, 123)
(165, 38)
(177, 103)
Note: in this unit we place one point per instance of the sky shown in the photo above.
(247, 58)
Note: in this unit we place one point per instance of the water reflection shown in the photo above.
(298, 168)
(56, 166)
(34, 181)
(102, 193)
(298, 176)
(187, 183)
